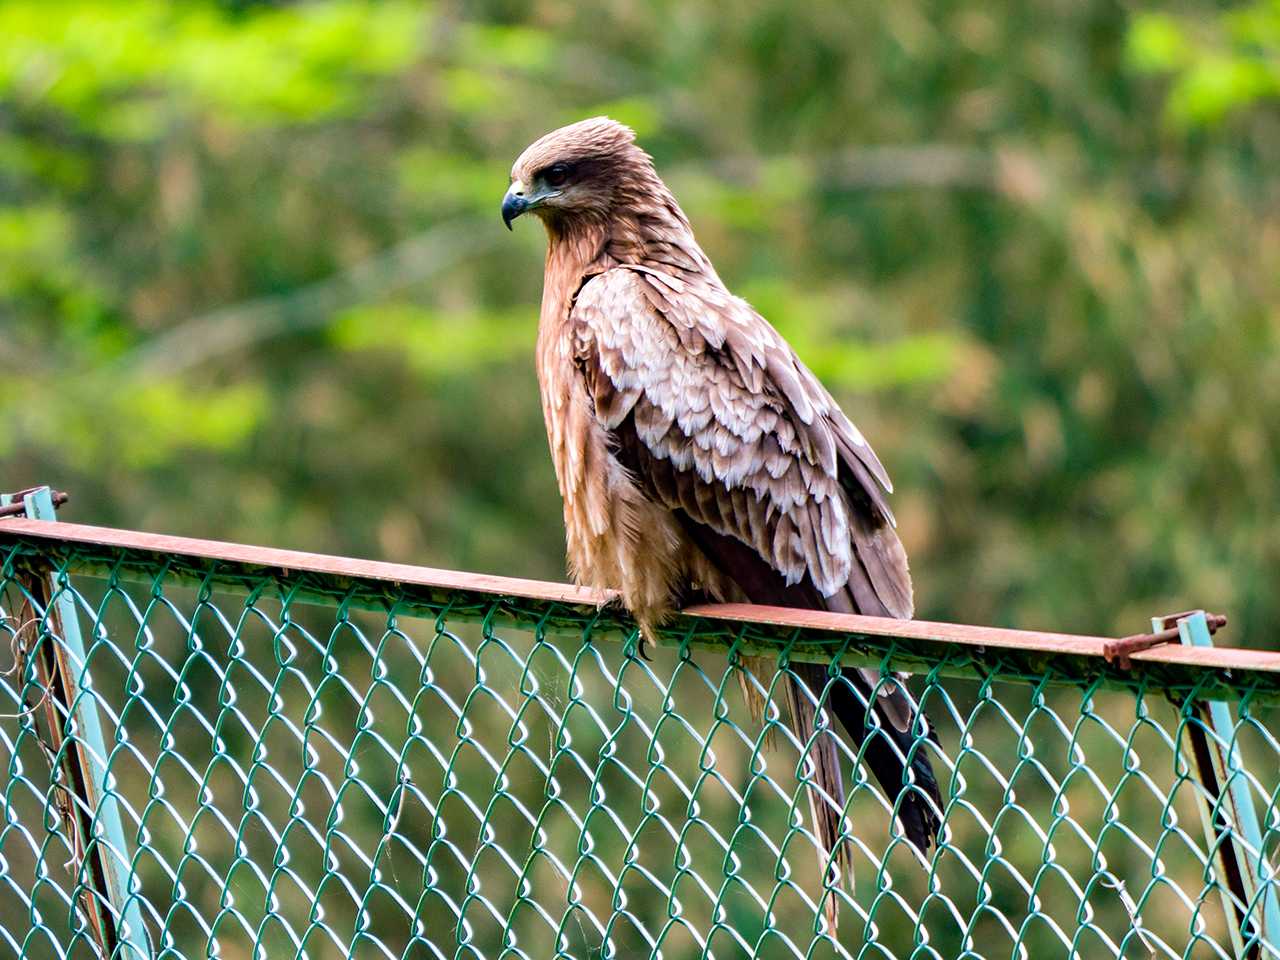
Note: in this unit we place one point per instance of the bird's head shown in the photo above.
(576, 173)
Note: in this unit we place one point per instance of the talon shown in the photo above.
(612, 603)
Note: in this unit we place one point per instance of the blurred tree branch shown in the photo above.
(879, 167)
(191, 342)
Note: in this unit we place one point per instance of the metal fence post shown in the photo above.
(1219, 762)
(75, 729)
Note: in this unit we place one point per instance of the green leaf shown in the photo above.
(1157, 42)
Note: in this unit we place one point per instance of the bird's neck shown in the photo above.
(654, 234)
(576, 247)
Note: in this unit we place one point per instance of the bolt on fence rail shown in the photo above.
(299, 755)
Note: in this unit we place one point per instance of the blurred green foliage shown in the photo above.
(1221, 64)
(253, 283)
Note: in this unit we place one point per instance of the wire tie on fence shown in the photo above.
(1112, 882)
(21, 652)
(393, 820)
(18, 650)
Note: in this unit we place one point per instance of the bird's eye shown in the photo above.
(557, 174)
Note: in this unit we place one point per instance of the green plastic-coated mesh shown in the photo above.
(328, 766)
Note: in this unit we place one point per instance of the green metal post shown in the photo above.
(1262, 913)
(122, 930)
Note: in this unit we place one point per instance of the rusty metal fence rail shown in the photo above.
(217, 750)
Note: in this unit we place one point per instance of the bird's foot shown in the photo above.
(612, 603)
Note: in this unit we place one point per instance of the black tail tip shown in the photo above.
(920, 824)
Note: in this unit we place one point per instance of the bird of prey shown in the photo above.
(697, 456)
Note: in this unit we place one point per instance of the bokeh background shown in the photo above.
(253, 283)
(254, 286)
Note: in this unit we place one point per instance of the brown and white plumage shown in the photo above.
(696, 454)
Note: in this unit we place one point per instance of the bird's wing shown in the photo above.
(718, 420)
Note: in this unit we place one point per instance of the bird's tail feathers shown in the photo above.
(899, 764)
(907, 778)
(910, 784)
(825, 781)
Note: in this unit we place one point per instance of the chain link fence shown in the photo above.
(226, 751)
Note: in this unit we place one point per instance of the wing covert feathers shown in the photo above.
(738, 433)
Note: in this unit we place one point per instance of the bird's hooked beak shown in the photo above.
(514, 203)
(520, 199)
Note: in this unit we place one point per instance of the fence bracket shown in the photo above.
(15, 505)
(1119, 651)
